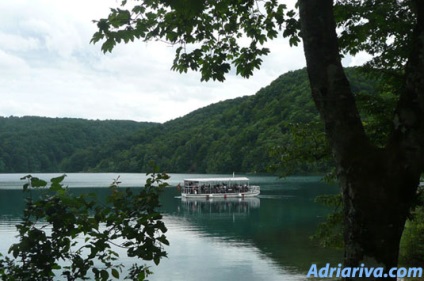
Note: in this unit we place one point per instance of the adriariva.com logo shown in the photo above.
(362, 271)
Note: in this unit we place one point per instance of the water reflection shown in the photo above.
(219, 207)
(278, 224)
(194, 256)
(264, 238)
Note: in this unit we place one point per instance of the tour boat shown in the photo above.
(208, 188)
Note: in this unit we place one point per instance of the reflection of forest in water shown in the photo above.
(278, 223)
(222, 207)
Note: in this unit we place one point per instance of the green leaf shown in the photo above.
(36, 182)
(104, 274)
(58, 180)
(156, 259)
(56, 267)
(141, 276)
(108, 45)
(97, 37)
(103, 25)
(115, 273)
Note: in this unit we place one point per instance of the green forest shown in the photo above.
(250, 134)
(39, 144)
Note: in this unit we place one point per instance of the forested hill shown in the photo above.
(39, 144)
(231, 136)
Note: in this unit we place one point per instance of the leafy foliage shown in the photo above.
(76, 236)
(213, 29)
(380, 28)
(212, 36)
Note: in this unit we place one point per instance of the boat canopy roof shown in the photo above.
(218, 179)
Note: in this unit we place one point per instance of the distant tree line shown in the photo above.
(247, 134)
(39, 144)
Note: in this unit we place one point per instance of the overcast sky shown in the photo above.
(49, 68)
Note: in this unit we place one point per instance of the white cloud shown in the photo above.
(48, 68)
(357, 60)
(11, 63)
(12, 42)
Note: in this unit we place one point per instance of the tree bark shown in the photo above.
(378, 184)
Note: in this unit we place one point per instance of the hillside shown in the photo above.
(39, 144)
(230, 136)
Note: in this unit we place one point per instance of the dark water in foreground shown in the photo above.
(264, 238)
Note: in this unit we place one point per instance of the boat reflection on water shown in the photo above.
(219, 207)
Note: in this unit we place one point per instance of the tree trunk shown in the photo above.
(378, 184)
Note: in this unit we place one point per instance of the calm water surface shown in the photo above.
(264, 238)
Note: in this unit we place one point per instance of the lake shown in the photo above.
(264, 238)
